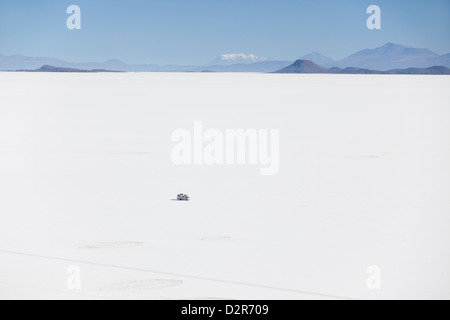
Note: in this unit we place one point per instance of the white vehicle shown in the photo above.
(183, 197)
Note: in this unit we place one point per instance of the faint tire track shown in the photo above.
(105, 265)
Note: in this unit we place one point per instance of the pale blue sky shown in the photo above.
(197, 31)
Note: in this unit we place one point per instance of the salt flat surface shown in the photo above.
(86, 180)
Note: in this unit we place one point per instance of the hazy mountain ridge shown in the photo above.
(309, 67)
(48, 68)
(17, 62)
(393, 56)
(14, 63)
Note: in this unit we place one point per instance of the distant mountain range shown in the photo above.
(48, 68)
(17, 62)
(307, 66)
(394, 56)
(388, 57)
(300, 66)
(13, 63)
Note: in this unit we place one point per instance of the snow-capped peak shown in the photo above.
(237, 58)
